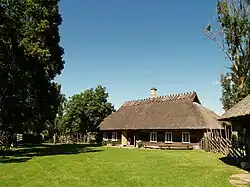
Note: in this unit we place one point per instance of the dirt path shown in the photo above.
(242, 179)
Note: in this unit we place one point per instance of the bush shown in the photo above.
(92, 141)
(31, 138)
(234, 136)
(104, 142)
(99, 138)
(139, 143)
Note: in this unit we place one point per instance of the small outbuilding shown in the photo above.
(239, 117)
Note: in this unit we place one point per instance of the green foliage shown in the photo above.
(234, 136)
(30, 59)
(85, 111)
(234, 39)
(56, 126)
(139, 144)
(92, 141)
(104, 142)
(229, 91)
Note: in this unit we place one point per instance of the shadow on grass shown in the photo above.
(232, 162)
(7, 160)
(26, 152)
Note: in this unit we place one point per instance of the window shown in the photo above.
(185, 137)
(153, 137)
(105, 136)
(114, 136)
(168, 137)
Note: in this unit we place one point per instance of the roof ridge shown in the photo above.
(163, 98)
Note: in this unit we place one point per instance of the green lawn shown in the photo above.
(78, 165)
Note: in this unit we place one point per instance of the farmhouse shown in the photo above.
(177, 120)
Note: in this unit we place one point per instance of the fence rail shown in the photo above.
(214, 142)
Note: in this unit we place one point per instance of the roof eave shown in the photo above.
(187, 128)
(232, 118)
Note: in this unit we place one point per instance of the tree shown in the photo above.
(85, 111)
(73, 118)
(56, 126)
(233, 37)
(30, 59)
(97, 106)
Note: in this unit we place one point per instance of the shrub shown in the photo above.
(92, 141)
(234, 136)
(139, 143)
(99, 138)
(104, 142)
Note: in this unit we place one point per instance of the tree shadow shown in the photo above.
(7, 160)
(232, 162)
(25, 153)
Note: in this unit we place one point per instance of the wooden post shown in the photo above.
(226, 131)
(230, 133)
(248, 144)
(134, 139)
(206, 144)
(54, 138)
(221, 134)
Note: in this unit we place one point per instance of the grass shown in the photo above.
(79, 165)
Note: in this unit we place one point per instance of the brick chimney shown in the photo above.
(153, 92)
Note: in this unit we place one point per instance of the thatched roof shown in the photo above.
(179, 111)
(242, 108)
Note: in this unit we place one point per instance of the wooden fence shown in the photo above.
(214, 142)
(238, 152)
(74, 138)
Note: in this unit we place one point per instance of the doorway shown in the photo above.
(131, 137)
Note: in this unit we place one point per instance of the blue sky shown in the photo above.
(130, 46)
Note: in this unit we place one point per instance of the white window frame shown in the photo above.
(114, 136)
(151, 135)
(183, 137)
(105, 136)
(166, 135)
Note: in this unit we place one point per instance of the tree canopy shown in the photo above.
(85, 111)
(233, 37)
(30, 59)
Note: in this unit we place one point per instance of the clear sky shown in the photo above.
(130, 46)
